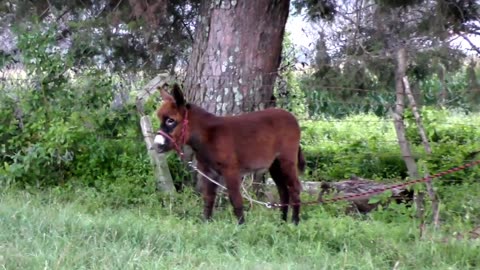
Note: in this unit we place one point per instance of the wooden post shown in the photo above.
(162, 174)
(159, 162)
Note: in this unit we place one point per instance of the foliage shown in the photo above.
(361, 145)
(287, 90)
(316, 9)
(181, 174)
(58, 126)
(355, 52)
(447, 130)
(76, 129)
(365, 145)
(115, 34)
(342, 97)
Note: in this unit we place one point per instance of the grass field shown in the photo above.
(43, 231)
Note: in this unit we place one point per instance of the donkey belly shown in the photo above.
(250, 171)
(257, 164)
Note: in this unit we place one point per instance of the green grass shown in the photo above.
(43, 231)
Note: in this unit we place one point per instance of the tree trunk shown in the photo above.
(416, 114)
(235, 56)
(443, 94)
(400, 130)
(473, 85)
(237, 51)
(399, 114)
(428, 150)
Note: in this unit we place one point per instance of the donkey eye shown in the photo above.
(170, 122)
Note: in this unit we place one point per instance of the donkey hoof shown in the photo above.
(241, 221)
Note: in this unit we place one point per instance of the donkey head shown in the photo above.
(173, 121)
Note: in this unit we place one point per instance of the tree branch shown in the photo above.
(477, 49)
(63, 14)
(182, 21)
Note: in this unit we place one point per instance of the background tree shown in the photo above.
(411, 37)
(115, 34)
(236, 54)
(357, 47)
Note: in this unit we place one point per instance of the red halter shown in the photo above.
(183, 137)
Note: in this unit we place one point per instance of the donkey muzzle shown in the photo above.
(161, 143)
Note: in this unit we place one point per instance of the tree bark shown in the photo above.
(399, 114)
(416, 114)
(428, 150)
(443, 94)
(401, 132)
(473, 85)
(237, 51)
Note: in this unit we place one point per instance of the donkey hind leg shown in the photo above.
(233, 181)
(289, 171)
(278, 178)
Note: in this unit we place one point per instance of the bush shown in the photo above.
(365, 145)
(361, 145)
(59, 125)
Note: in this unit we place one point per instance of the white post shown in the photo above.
(159, 161)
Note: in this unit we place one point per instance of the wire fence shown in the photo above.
(317, 104)
(316, 101)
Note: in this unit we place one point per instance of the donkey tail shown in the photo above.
(301, 160)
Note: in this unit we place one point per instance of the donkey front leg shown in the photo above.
(209, 195)
(233, 181)
(209, 191)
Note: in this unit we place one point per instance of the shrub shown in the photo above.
(365, 145)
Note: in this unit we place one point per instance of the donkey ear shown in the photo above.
(178, 95)
(164, 94)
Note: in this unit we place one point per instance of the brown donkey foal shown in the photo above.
(233, 146)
